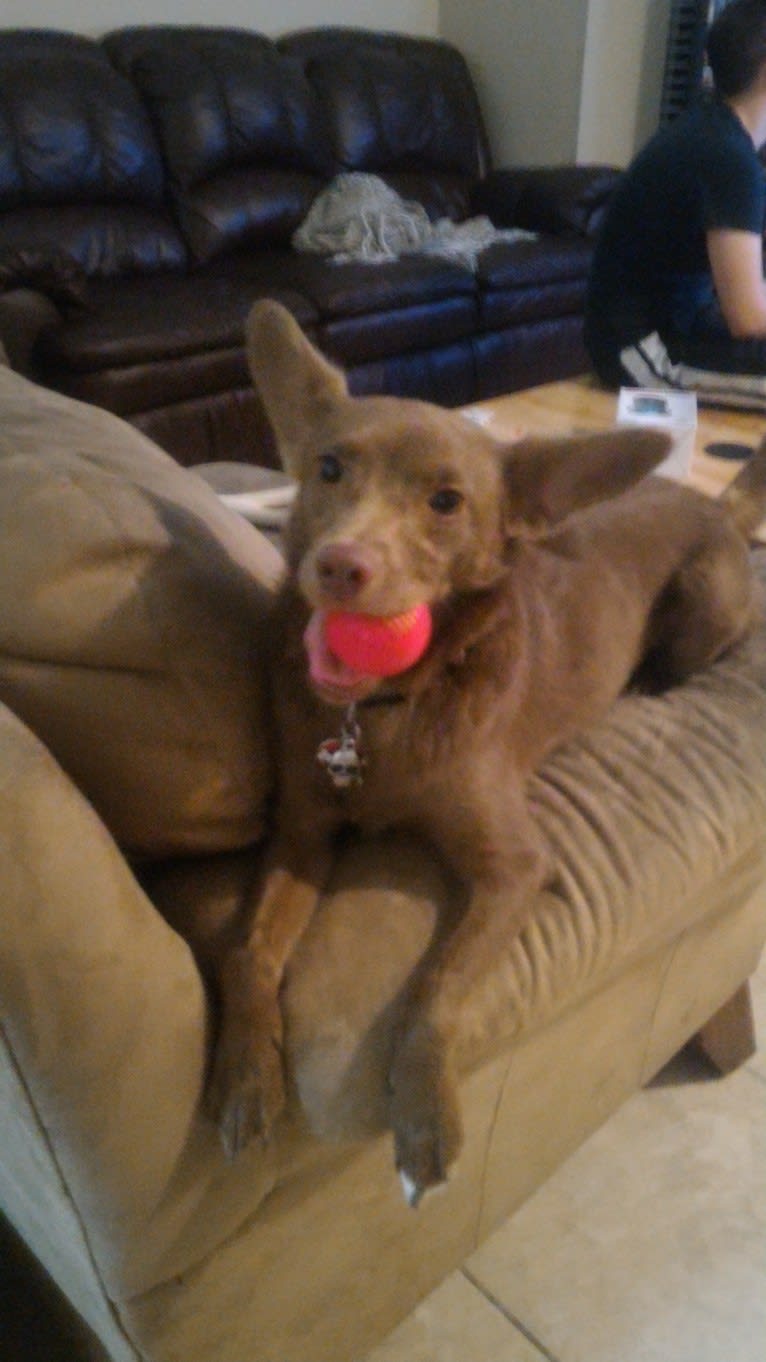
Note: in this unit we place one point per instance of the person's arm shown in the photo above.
(736, 263)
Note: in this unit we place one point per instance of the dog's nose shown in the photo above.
(343, 570)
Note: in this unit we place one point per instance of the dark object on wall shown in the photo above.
(685, 56)
(685, 71)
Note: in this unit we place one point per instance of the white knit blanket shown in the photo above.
(359, 217)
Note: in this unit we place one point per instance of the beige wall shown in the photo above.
(622, 77)
(527, 61)
(563, 81)
(98, 16)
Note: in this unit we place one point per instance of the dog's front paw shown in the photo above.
(246, 1092)
(425, 1114)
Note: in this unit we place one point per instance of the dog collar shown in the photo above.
(378, 701)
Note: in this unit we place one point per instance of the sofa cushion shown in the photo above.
(122, 324)
(530, 281)
(525, 354)
(444, 374)
(403, 331)
(125, 353)
(353, 288)
(445, 194)
(81, 176)
(530, 264)
(132, 603)
(398, 106)
(370, 312)
(240, 127)
(555, 199)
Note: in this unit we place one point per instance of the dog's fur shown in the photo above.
(554, 569)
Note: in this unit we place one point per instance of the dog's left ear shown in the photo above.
(546, 479)
(297, 385)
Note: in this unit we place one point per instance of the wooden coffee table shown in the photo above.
(580, 404)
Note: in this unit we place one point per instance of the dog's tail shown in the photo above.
(745, 498)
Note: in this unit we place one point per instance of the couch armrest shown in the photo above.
(556, 199)
(24, 315)
(103, 1024)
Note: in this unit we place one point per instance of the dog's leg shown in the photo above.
(707, 606)
(506, 866)
(246, 1092)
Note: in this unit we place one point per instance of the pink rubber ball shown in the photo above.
(379, 645)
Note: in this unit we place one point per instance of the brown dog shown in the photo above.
(549, 584)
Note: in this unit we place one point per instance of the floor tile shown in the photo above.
(649, 1245)
(456, 1324)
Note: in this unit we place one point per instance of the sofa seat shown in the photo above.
(120, 323)
(122, 351)
(136, 778)
(531, 265)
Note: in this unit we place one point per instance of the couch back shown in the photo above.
(164, 146)
(240, 128)
(82, 182)
(404, 108)
(132, 607)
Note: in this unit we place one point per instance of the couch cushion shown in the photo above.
(529, 281)
(403, 331)
(353, 288)
(123, 324)
(74, 137)
(240, 127)
(125, 353)
(525, 354)
(444, 374)
(555, 199)
(396, 308)
(132, 602)
(528, 264)
(398, 106)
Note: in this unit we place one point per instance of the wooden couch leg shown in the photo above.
(728, 1039)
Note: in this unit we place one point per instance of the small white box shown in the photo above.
(674, 412)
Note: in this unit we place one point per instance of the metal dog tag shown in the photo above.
(342, 757)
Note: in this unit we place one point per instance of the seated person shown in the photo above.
(677, 296)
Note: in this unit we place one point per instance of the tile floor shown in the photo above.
(648, 1245)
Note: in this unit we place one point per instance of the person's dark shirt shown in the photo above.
(650, 269)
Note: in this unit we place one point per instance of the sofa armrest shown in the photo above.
(556, 199)
(35, 290)
(24, 314)
(103, 1024)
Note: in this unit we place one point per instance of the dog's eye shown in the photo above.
(330, 468)
(446, 501)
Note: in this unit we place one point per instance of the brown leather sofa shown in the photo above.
(150, 185)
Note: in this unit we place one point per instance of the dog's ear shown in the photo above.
(548, 478)
(297, 385)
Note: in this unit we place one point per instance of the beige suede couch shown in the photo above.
(135, 760)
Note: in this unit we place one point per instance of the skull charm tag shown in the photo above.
(341, 757)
